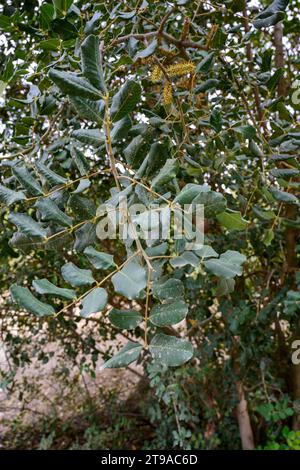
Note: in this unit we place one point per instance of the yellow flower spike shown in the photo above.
(167, 93)
(156, 74)
(182, 68)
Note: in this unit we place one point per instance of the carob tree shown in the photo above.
(107, 106)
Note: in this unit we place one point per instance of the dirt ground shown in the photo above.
(42, 390)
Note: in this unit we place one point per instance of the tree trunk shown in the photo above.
(279, 57)
(243, 418)
(242, 413)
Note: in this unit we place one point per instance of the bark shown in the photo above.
(242, 413)
(243, 418)
(279, 56)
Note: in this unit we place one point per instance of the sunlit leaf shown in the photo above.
(128, 354)
(76, 276)
(43, 286)
(94, 302)
(170, 350)
(130, 280)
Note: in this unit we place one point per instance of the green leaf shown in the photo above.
(50, 176)
(27, 225)
(169, 313)
(94, 22)
(50, 211)
(21, 242)
(284, 156)
(255, 150)
(284, 172)
(85, 236)
(76, 276)
(43, 286)
(6, 23)
(80, 161)
(232, 220)
(227, 266)
(274, 79)
(130, 281)
(94, 137)
(88, 109)
(62, 6)
(64, 28)
(99, 259)
(271, 15)
(82, 207)
(125, 100)
(27, 181)
(170, 289)
(268, 237)
(149, 50)
(166, 174)
(120, 129)
(8, 196)
(23, 297)
(125, 319)
(186, 258)
(2, 87)
(249, 132)
(233, 257)
(128, 354)
(206, 251)
(92, 62)
(8, 71)
(132, 151)
(84, 184)
(170, 351)
(206, 63)
(292, 302)
(225, 286)
(213, 202)
(190, 191)
(46, 16)
(157, 250)
(283, 196)
(263, 214)
(156, 157)
(71, 84)
(94, 302)
(216, 120)
(52, 44)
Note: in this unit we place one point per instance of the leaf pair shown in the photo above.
(166, 350)
(91, 87)
(227, 266)
(86, 92)
(271, 15)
